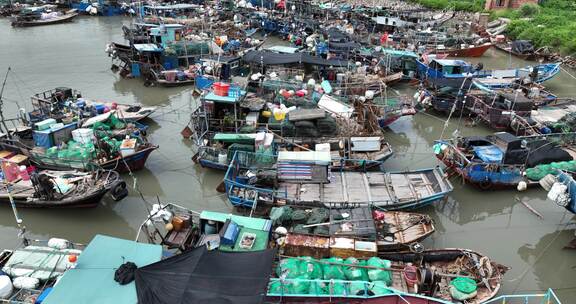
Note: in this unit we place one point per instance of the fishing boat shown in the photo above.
(53, 103)
(307, 179)
(434, 274)
(373, 151)
(464, 51)
(534, 91)
(306, 230)
(520, 48)
(459, 73)
(42, 16)
(173, 78)
(501, 160)
(61, 189)
(28, 273)
(421, 274)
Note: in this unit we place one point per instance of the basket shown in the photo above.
(221, 89)
(234, 92)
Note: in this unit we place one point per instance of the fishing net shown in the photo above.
(299, 215)
(277, 287)
(322, 230)
(331, 271)
(355, 273)
(289, 267)
(318, 215)
(379, 274)
(300, 229)
(463, 288)
(538, 172)
(239, 147)
(310, 269)
(359, 288)
(380, 288)
(280, 214)
(327, 125)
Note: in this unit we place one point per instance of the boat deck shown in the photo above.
(385, 189)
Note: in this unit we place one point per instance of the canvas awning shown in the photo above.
(92, 280)
(202, 276)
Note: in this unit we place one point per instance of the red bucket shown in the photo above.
(221, 89)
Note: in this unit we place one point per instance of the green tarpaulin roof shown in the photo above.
(92, 281)
(235, 138)
(244, 221)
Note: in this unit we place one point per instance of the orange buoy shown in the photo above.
(72, 258)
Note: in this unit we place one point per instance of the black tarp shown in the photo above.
(271, 58)
(202, 276)
(522, 47)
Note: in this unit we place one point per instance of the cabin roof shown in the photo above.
(450, 62)
(244, 221)
(147, 47)
(393, 52)
(322, 157)
(172, 7)
(93, 277)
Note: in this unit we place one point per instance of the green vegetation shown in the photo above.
(553, 24)
(459, 5)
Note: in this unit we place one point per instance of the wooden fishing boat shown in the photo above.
(390, 230)
(52, 103)
(521, 48)
(422, 275)
(349, 153)
(458, 73)
(431, 274)
(470, 51)
(61, 189)
(501, 160)
(35, 19)
(172, 79)
(121, 163)
(308, 181)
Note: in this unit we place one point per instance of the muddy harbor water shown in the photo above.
(72, 55)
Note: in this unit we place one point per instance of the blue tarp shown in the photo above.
(92, 281)
(489, 154)
(43, 138)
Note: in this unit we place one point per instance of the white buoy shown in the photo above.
(522, 186)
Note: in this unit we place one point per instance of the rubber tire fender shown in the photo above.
(119, 191)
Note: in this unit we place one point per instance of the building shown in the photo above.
(504, 4)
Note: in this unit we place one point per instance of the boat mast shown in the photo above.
(2, 103)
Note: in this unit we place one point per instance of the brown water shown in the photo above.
(73, 55)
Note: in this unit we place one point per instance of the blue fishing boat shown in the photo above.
(502, 160)
(306, 178)
(459, 73)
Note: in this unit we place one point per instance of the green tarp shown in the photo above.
(92, 281)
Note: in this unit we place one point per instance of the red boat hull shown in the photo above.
(476, 51)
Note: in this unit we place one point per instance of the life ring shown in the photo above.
(119, 191)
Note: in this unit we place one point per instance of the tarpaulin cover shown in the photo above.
(271, 58)
(489, 154)
(522, 47)
(92, 280)
(202, 276)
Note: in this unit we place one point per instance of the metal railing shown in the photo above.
(546, 298)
